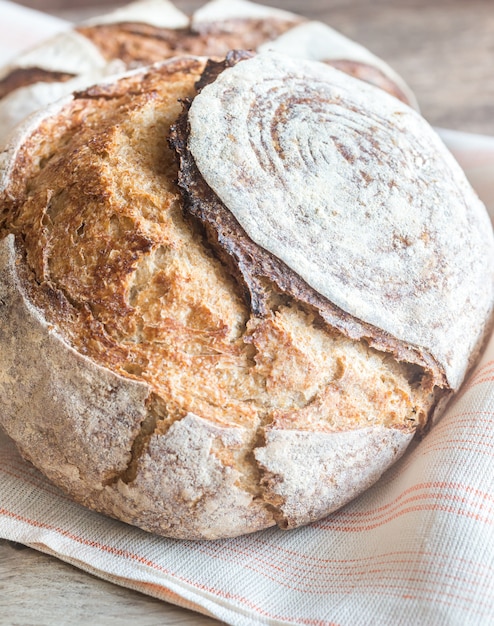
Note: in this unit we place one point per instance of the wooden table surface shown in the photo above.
(444, 50)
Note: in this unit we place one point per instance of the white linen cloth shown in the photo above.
(21, 28)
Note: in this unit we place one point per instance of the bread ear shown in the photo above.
(375, 212)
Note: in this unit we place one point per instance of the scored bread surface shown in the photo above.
(238, 420)
(376, 213)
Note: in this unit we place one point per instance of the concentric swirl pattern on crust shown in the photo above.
(356, 195)
(136, 375)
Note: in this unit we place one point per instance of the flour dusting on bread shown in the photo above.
(375, 213)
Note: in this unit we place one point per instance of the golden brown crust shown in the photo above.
(142, 44)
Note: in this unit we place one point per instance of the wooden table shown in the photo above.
(444, 50)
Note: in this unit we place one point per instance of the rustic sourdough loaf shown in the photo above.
(149, 31)
(258, 346)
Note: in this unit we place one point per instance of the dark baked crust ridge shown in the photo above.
(254, 265)
(24, 76)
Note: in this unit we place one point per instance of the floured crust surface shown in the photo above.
(316, 41)
(366, 178)
(77, 428)
(107, 268)
(339, 469)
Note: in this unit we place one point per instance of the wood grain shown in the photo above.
(38, 590)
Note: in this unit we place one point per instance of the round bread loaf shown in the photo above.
(149, 31)
(258, 346)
